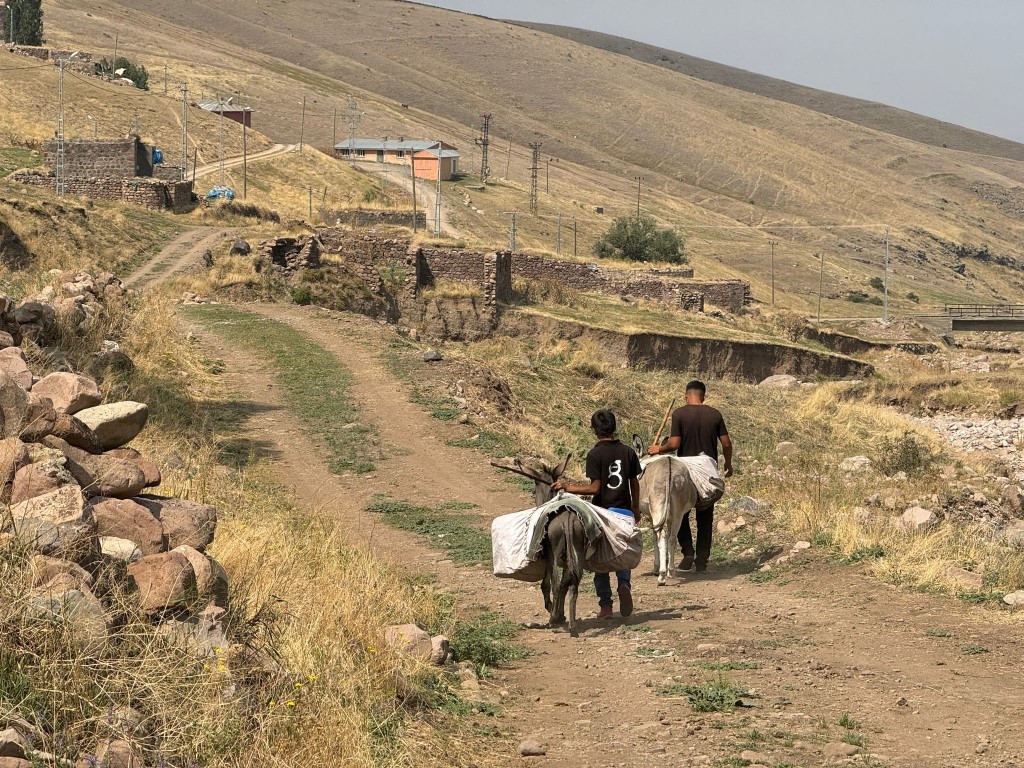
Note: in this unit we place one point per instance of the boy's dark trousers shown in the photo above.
(705, 528)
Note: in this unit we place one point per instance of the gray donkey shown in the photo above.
(564, 540)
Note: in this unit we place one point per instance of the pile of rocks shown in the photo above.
(79, 510)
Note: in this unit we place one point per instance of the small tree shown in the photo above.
(28, 22)
(137, 73)
(638, 238)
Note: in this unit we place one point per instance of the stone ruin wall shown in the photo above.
(494, 272)
(358, 217)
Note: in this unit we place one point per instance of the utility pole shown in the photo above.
(353, 122)
(334, 142)
(885, 282)
(412, 164)
(558, 236)
(512, 231)
(638, 180)
(573, 235)
(113, 64)
(773, 243)
(437, 196)
(59, 172)
(508, 158)
(547, 177)
(534, 168)
(165, 79)
(310, 190)
(12, 23)
(184, 131)
(302, 123)
(821, 281)
(484, 142)
(245, 157)
(221, 105)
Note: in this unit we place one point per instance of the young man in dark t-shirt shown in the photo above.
(696, 429)
(614, 471)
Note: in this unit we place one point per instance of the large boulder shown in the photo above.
(119, 550)
(39, 419)
(75, 542)
(150, 469)
(38, 479)
(164, 581)
(63, 505)
(13, 407)
(100, 475)
(77, 609)
(45, 569)
(779, 381)
(12, 362)
(13, 456)
(918, 519)
(185, 522)
(855, 464)
(115, 423)
(411, 640)
(211, 578)
(69, 392)
(124, 519)
(73, 432)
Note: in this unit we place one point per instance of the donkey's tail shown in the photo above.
(571, 561)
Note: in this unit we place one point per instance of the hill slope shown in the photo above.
(729, 168)
(870, 114)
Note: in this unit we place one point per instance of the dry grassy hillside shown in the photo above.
(729, 168)
(869, 114)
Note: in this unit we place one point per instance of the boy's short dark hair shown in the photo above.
(603, 423)
(698, 385)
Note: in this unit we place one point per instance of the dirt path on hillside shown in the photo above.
(233, 162)
(928, 681)
(182, 252)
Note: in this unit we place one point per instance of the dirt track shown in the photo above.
(818, 642)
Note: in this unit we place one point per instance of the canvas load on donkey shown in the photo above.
(613, 539)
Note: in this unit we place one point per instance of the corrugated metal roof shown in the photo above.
(407, 145)
(442, 152)
(214, 105)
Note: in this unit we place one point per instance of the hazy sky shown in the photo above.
(957, 60)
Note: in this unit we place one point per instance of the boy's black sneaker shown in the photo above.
(625, 600)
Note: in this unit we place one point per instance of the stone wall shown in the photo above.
(674, 286)
(115, 158)
(291, 253)
(357, 217)
(146, 192)
(81, 64)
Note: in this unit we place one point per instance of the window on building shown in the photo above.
(401, 153)
(360, 153)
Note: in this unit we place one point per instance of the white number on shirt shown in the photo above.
(615, 470)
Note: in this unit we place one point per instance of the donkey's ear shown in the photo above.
(560, 469)
(638, 445)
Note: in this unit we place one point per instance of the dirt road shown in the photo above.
(426, 194)
(915, 680)
(233, 162)
(184, 251)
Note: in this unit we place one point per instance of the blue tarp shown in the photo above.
(221, 193)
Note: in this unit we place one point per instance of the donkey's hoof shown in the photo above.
(662, 582)
(574, 633)
(557, 621)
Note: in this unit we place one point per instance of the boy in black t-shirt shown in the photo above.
(613, 469)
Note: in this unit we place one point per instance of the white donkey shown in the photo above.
(667, 492)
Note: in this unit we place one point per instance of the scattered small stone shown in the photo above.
(855, 464)
(755, 757)
(918, 519)
(800, 546)
(432, 356)
(410, 639)
(779, 381)
(533, 747)
(965, 579)
(838, 750)
(1014, 598)
(786, 449)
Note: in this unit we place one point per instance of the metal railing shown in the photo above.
(984, 310)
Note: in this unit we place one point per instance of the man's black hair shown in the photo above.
(698, 385)
(603, 423)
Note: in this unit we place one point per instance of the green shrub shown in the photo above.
(877, 283)
(906, 453)
(911, 296)
(639, 238)
(302, 295)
